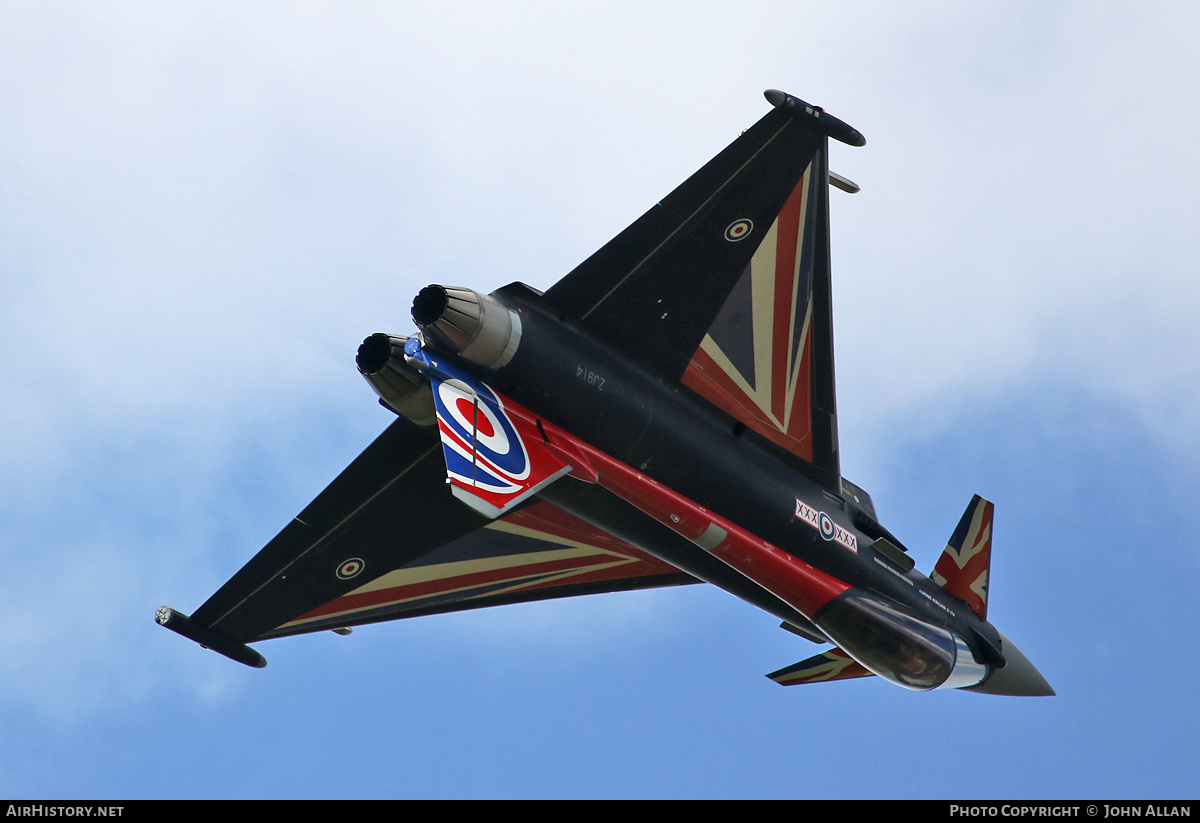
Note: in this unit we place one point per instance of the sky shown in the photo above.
(204, 208)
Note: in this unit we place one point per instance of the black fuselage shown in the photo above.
(665, 431)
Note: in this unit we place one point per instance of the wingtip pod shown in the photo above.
(182, 624)
(821, 120)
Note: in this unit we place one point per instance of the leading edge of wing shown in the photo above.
(359, 528)
(725, 287)
(653, 291)
(387, 540)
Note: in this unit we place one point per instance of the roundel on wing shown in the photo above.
(350, 568)
(739, 230)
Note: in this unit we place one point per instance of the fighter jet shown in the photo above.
(664, 414)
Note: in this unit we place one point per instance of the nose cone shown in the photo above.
(1019, 677)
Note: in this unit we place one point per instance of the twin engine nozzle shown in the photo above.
(476, 327)
(473, 326)
(400, 387)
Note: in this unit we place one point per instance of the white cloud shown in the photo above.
(205, 208)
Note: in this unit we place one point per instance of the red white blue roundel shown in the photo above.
(494, 454)
(739, 230)
(825, 525)
(350, 568)
(482, 445)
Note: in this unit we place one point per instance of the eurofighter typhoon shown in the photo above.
(664, 414)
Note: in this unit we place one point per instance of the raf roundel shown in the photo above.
(826, 526)
(483, 426)
(350, 568)
(739, 230)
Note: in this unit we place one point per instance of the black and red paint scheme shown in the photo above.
(665, 414)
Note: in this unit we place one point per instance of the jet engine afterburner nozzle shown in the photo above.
(400, 387)
(476, 327)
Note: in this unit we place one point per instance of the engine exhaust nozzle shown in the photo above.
(476, 327)
(400, 387)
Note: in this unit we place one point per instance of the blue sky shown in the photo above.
(204, 209)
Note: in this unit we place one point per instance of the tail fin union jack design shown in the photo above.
(963, 568)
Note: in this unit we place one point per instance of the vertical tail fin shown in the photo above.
(495, 452)
(964, 565)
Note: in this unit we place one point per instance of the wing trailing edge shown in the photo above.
(538, 552)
